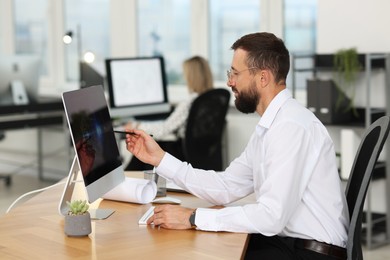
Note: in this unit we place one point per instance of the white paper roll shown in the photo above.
(133, 190)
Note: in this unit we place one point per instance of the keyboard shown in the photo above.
(146, 216)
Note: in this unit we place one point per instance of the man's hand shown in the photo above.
(171, 217)
(144, 147)
(131, 125)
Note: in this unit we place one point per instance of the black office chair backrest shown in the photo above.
(202, 144)
(366, 157)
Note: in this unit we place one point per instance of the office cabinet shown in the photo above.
(323, 99)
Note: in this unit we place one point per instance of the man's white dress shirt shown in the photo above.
(290, 165)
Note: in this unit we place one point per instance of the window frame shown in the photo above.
(124, 12)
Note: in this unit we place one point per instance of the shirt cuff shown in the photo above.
(206, 219)
(168, 166)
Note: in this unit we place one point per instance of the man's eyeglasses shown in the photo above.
(232, 73)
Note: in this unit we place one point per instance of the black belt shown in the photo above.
(322, 248)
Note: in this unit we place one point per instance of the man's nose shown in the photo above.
(230, 83)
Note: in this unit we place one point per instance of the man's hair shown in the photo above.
(266, 51)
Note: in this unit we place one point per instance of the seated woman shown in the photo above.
(169, 132)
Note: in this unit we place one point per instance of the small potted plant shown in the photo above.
(347, 65)
(78, 219)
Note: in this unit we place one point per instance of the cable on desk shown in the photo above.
(32, 192)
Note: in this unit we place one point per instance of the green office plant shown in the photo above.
(78, 220)
(347, 66)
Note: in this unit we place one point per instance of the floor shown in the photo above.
(24, 179)
(25, 176)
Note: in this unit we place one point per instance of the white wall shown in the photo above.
(353, 23)
(239, 129)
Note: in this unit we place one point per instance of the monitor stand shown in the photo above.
(19, 93)
(75, 190)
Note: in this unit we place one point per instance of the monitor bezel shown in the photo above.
(137, 109)
(97, 188)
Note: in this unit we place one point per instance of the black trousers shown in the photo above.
(280, 248)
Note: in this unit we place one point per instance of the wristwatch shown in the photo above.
(192, 219)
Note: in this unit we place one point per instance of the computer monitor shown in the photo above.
(97, 155)
(137, 86)
(22, 72)
(92, 74)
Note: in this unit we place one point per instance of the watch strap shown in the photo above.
(192, 219)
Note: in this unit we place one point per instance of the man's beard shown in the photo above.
(247, 101)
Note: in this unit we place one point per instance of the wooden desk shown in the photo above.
(35, 230)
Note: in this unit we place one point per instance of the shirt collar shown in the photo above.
(272, 109)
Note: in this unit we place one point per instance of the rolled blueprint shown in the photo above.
(133, 190)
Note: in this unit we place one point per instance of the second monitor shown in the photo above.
(19, 79)
(137, 86)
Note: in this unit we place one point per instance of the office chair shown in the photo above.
(366, 157)
(202, 144)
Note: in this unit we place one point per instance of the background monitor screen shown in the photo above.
(93, 140)
(24, 68)
(137, 86)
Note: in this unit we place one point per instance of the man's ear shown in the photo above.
(264, 78)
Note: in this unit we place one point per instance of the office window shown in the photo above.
(300, 25)
(229, 20)
(89, 21)
(164, 29)
(300, 18)
(31, 31)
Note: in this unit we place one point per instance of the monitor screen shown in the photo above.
(23, 68)
(93, 139)
(137, 86)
